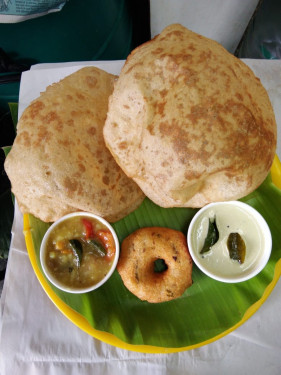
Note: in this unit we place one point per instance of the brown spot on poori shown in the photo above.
(103, 192)
(82, 167)
(70, 184)
(35, 108)
(123, 145)
(105, 180)
(24, 138)
(91, 81)
(92, 130)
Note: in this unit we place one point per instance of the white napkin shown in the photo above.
(222, 20)
(36, 338)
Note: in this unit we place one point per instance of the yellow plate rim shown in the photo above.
(109, 338)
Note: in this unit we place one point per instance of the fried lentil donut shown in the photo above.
(141, 249)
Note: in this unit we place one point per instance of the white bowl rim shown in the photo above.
(264, 258)
(42, 253)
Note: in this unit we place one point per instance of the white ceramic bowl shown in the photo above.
(52, 279)
(233, 216)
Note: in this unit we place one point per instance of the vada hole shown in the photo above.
(160, 265)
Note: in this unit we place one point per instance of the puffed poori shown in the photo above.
(59, 162)
(136, 265)
(189, 122)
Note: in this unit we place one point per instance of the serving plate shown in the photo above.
(207, 311)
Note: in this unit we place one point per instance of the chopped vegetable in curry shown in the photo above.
(80, 252)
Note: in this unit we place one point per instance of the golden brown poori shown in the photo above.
(189, 122)
(59, 162)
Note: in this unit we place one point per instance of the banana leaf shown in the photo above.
(208, 310)
(6, 198)
(14, 113)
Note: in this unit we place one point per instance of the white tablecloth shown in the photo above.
(36, 338)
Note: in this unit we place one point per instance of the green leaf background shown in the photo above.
(207, 309)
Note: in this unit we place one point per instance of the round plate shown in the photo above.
(208, 310)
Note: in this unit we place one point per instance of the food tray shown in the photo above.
(207, 311)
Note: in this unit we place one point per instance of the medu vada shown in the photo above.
(141, 251)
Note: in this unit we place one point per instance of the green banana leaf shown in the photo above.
(14, 113)
(207, 310)
(7, 200)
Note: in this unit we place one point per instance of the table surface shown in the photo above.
(36, 338)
